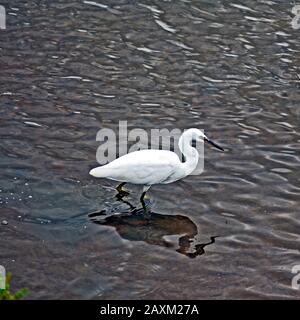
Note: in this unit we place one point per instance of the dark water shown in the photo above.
(229, 67)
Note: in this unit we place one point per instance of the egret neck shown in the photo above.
(190, 153)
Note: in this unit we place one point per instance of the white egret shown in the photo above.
(148, 167)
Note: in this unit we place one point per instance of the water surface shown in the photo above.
(70, 68)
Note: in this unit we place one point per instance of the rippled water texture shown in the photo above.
(70, 68)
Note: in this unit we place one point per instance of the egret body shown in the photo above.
(148, 167)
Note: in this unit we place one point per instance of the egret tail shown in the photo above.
(100, 172)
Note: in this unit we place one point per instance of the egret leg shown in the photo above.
(145, 208)
(119, 188)
(145, 189)
(142, 197)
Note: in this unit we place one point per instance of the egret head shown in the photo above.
(199, 136)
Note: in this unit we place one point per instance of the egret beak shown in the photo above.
(213, 144)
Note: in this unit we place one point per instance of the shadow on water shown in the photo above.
(171, 231)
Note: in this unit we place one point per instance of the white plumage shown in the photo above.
(148, 167)
(144, 167)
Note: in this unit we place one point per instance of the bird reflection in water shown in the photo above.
(155, 229)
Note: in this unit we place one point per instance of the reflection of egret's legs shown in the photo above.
(133, 209)
(120, 196)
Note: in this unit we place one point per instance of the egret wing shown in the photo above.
(144, 167)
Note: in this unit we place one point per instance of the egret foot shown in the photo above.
(121, 191)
